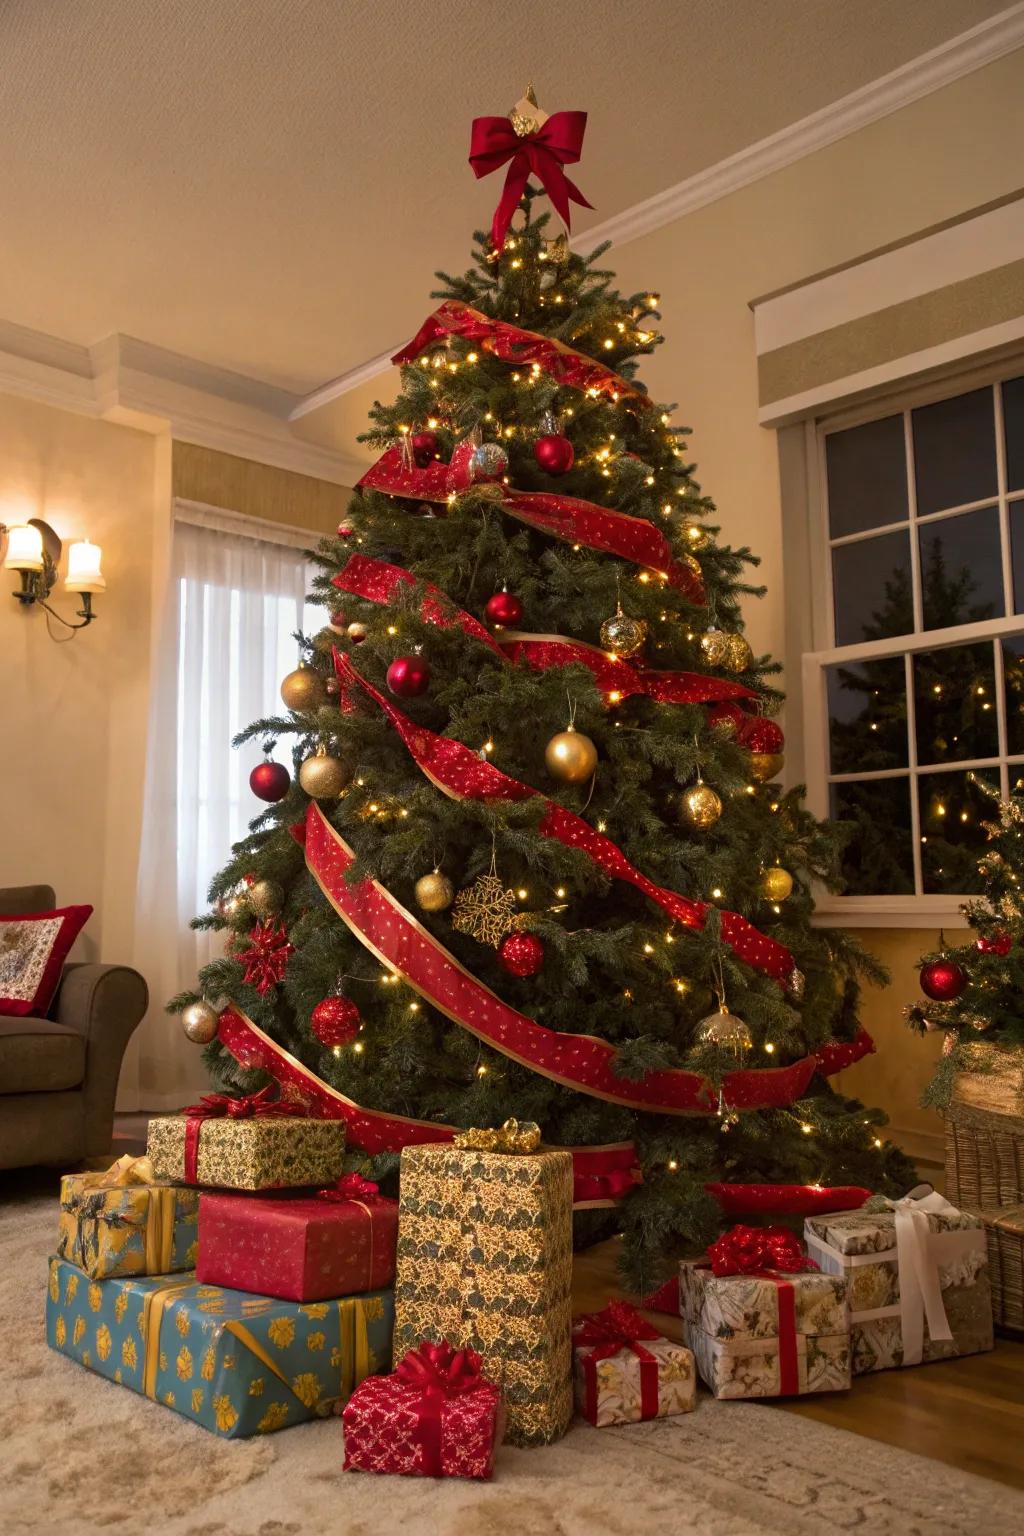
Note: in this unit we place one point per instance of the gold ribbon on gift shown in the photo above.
(518, 1136)
(153, 1309)
(132, 1173)
(127, 1170)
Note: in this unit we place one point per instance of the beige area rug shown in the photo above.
(81, 1455)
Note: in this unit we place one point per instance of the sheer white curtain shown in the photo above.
(234, 604)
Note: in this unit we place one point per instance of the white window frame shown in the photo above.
(811, 627)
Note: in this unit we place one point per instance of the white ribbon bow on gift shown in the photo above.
(920, 1285)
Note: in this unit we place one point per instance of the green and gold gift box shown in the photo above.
(237, 1364)
(254, 1153)
(485, 1261)
(122, 1222)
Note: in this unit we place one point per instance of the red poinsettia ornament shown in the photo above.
(266, 959)
(999, 944)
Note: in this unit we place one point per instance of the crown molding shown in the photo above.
(962, 55)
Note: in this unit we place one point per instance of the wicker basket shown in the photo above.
(1004, 1228)
(985, 1131)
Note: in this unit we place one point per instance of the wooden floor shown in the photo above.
(968, 1413)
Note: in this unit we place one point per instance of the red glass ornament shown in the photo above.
(425, 446)
(338, 620)
(335, 1021)
(720, 714)
(999, 944)
(345, 530)
(554, 453)
(762, 736)
(408, 676)
(270, 781)
(943, 980)
(504, 608)
(521, 954)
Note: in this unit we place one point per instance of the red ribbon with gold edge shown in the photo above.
(218, 1106)
(377, 581)
(460, 773)
(768, 1253)
(511, 344)
(544, 153)
(605, 1334)
(788, 1199)
(437, 1372)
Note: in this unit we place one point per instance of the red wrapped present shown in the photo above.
(336, 1243)
(435, 1416)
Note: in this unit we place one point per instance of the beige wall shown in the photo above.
(257, 490)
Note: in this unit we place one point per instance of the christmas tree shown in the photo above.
(535, 861)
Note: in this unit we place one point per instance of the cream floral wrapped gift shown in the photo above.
(918, 1276)
(761, 1322)
(626, 1371)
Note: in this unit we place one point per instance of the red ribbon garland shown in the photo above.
(761, 1252)
(543, 153)
(791, 1199)
(352, 1186)
(437, 1373)
(217, 1106)
(605, 1334)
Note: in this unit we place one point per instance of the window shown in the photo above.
(920, 691)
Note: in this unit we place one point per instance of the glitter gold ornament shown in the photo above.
(485, 910)
(724, 1030)
(199, 1021)
(322, 776)
(701, 806)
(738, 654)
(766, 765)
(622, 634)
(714, 645)
(303, 689)
(265, 898)
(776, 883)
(434, 892)
(570, 756)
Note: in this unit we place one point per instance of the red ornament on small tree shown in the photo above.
(762, 735)
(504, 609)
(943, 980)
(270, 781)
(425, 446)
(335, 1021)
(521, 954)
(408, 677)
(554, 453)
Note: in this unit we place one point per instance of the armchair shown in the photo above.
(58, 1075)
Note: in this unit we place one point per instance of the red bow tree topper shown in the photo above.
(532, 144)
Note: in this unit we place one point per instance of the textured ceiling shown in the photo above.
(268, 185)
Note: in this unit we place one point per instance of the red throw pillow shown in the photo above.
(33, 949)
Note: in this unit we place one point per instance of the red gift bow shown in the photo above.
(438, 1372)
(217, 1106)
(618, 1327)
(762, 1252)
(543, 153)
(352, 1186)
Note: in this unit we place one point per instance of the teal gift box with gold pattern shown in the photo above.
(127, 1229)
(237, 1364)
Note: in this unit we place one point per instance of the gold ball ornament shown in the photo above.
(356, 632)
(714, 646)
(265, 898)
(725, 1031)
(323, 777)
(766, 765)
(738, 654)
(776, 884)
(434, 892)
(199, 1021)
(303, 689)
(570, 756)
(623, 635)
(701, 806)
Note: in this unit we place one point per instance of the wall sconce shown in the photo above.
(34, 551)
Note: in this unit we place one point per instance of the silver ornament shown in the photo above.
(488, 461)
(725, 1031)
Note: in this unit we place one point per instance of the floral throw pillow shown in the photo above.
(33, 949)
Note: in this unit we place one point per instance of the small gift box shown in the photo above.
(436, 1415)
(335, 1243)
(122, 1222)
(485, 1262)
(761, 1320)
(251, 1143)
(918, 1277)
(236, 1363)
(626, 1371)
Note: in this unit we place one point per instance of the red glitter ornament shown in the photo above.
(270, 781)
(335, 1021)
(943, 980)
(762, 735)
(425, 446)
(504, 609)
(999, 944)
(345, 530)
(521, 954)
(554, 453)
(408, 677)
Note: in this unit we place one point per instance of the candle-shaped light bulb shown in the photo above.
(84, 574)
(24, 548)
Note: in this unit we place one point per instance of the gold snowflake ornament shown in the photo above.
(485, 910)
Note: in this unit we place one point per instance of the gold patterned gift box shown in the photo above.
(127, 1228)
(236, 1363)
(257, 1153)
(485, 1262)
(918, 1276)
(764, 1335)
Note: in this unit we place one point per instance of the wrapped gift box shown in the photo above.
(753, 1337)
(626, 1371)
(304, 1249)
(264, 1152)
(393, 1425)
(485, 1262)
(236, 1363)
(126, 1229)
(890, 1323)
